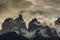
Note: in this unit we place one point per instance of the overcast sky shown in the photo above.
(11, 8)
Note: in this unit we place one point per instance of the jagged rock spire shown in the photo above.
(19, 18)
(33, 25)
(21, 24)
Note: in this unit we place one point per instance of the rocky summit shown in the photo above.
(16, 30)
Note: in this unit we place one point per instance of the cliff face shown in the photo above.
(57, 22)
(35, 28)
(33, 25)
(14, 25)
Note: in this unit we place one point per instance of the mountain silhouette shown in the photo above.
(36, 30)
(47, 34)
(21, 22)
(14, 25)
(8, 24)
(33, 25)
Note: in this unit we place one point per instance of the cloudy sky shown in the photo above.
(11, 8)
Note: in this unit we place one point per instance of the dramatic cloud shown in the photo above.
(20, 3)
(55, 1)
(49, 9)
(7, 4)
(47, 6)
(11, 8)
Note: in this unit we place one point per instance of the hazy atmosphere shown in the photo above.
(11, 8)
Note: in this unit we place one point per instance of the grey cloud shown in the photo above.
(20, 3)
(7, 4)
(49, 5)
(55, 1)
(37, 12)
(3, 5)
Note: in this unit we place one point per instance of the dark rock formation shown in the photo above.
(48, 34)
(57, 22)
(33, 25)
(19, 18)
(14, 25)
(15, 36)
(12, 36)
(8, 24)
(20, 22)
(39, 32)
